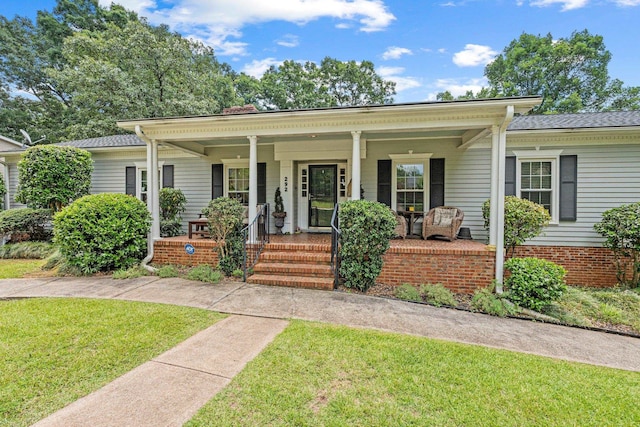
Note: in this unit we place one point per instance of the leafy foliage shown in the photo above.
(172, 205)
(408, 292)
(3, 191)
(523, 220)
(26, 250)
(168, 271)
(225, 222)
(486, 301)
(26, 224)
(366, 228)
(534, 283)
(132, 272)
(571, 74)
(437, 295)
(51, 176)
(102, 232)
(621, 229)
(204, 273)
(334, 83)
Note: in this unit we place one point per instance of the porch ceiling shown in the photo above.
(462, 120)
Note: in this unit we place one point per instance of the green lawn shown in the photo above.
(15, 268)
(53, 351)
(319, 375)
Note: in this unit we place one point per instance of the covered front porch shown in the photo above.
(462, 265)
(412, 157)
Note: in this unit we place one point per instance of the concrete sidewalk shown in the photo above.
(560, 342)
(204, 364)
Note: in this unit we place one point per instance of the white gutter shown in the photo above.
(502, 152)
(150, 240)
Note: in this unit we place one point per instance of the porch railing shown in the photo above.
(254, 237)
(335, 246)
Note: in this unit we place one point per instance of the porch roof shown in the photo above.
(462, 120)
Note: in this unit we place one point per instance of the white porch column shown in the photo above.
(493, 214)
(355, 166)
(502, 152)
(253, 177)
(153, 189)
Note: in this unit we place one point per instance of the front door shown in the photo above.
(322, 194)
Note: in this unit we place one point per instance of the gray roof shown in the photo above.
(106, 142)
(576, 121)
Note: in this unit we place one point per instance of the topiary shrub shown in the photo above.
(172, 205)
(102, 232)
(523, 220)
(533, 282)
(3, 191)
(50, 176)
(225, 223)
(366, 228)
(621, 229)
(26, 224)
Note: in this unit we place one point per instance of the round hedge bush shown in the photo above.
(102, 232)
(533, 282)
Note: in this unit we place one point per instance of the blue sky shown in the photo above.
(424, 46)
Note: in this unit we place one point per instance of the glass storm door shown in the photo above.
(322, 194)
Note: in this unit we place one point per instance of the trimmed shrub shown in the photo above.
(204, 273)
(172, 205)
(366, 228)
(102, 232)
(621, 228)
(437, 295)
(533, 282)
(51, 176)
(225, 224)
(26, 224)
(523, 220)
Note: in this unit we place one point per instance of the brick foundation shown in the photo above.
(460, 270)
(586, 266)
(168, 251)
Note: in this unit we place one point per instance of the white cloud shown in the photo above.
(393, 74)
(457, 87)
(474, 55)
(288, 40)
(627, 3)
(217, 20)
(395, 52)
(258, 67)
(566, 4)
(442, 50)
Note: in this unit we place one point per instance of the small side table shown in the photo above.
(412, 216)
(199, 227)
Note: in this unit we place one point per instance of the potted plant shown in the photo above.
(278, 212)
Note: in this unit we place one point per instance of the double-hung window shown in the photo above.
(538, 179)
(410, 186)
(238, 184)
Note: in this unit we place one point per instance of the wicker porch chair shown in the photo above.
(401, 225)
(444, 221)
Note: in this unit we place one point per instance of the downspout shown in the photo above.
(502, 152)
(145, 262)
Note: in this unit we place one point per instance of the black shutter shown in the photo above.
(262, 183)
(384, 182)
(130, 181)
(167, 176)
(510, 176)
(436, 183)
(217, 181)
(568, 188)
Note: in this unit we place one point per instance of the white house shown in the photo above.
(417, 155)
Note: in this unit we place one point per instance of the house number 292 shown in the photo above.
(286, 184)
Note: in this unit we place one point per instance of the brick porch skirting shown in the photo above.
(167, 251)
(460, 270)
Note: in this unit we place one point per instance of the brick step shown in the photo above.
(291, 269)
(296, 257)
(321, 283)
(298, 247)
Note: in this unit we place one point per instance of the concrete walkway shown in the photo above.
(258, 311)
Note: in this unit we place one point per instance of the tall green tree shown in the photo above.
(138, 71)
(333, 83)
(571, 74)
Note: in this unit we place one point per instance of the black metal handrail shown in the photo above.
(254, 237)
(335, 246)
